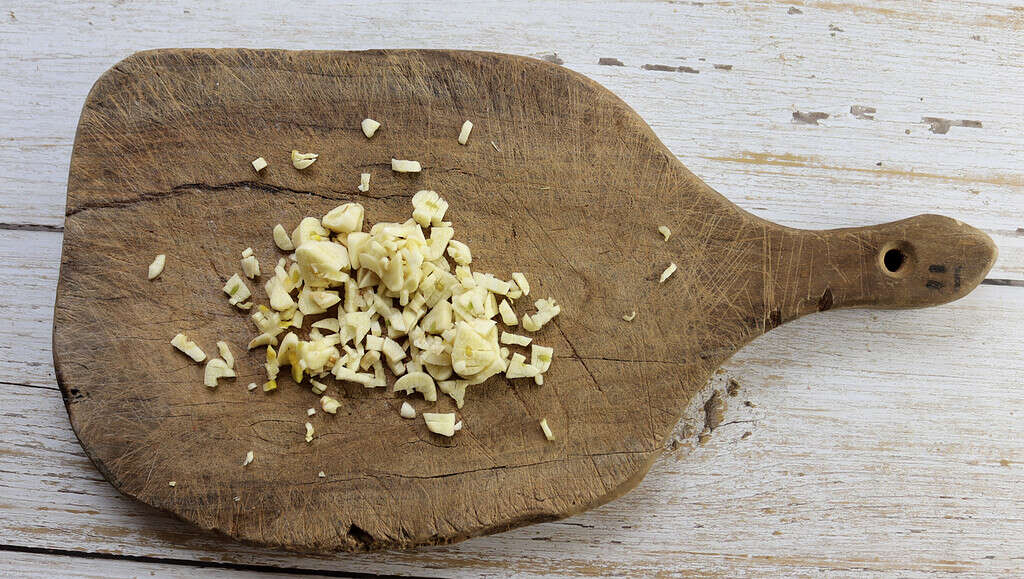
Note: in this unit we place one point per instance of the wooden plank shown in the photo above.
(892, 448)
(30, 262)
(953, 61)
(27, 565)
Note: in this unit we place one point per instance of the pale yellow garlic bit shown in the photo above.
(547, 429)
(302, 160)
(464, 132)
(157, 267)
(668, 272)
(281, 238)
(665, 231)
(369, 127)
(188, 347)
(259, 164)
(364, 182)
(405, 166)
(440, 423)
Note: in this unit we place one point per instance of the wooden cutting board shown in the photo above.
(560, 180)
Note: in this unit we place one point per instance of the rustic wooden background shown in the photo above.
(857, 443)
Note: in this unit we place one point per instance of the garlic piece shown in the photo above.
(440, 423)
(668, 272)
(364, 182)
(225, 354)
(172, 483)
(459, 252)
(403, 166)
(259, 164)
(407, 411)
(157, 267)
(237, 291)
(518, 368)
(310, 411)
(547, 429)
(420, 382)
(507, 315)
(464, 133)
(281, 238)
(302, 160)
(507, 338)
(630, 317)
(540, 357)
(369, 127)
(252, 386)
(249, 457)
(321, 474)
(216, 368)
(318, 387)
(665, 231)
(309, 432)
(329, 404)
(428, 208)
(520, 280)
(345, 218)
(250, 265)
(188, 347)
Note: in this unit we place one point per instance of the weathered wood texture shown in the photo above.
(571, 193)
(955, 60)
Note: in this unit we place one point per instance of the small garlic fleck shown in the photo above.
(364, 182)
(668, 272)
(404, 166)
(321, 474)
(407, 411)
(309, 432)
(369, 127)
(251, 386)
(630, 316)
(310, 411)
(664, 230)
(259, 164)
(157, 267)
(302, 160)
(464, 133)
(249, 457)
(547, 429)
(172, 483)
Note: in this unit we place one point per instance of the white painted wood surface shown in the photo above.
(881, 442)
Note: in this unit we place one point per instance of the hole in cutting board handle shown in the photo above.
(896, 258)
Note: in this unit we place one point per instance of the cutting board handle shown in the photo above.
(921, 261)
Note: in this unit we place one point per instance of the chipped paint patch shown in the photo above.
(659, 67)
(688, 69)
(794, 10)
(610, 62)
(808, 118)
(862, 112)
(723, 66)
(941, 126)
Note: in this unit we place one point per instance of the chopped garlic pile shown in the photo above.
(392, 300)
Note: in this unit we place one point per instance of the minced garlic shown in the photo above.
(188, 347)
(665, 231)
(225, 354)
(330, 405)
(250, 265)
(172, 483)
(310, 411)
(407, 411)
(249, 457)
(252, 386)
(440, 423)
(668, 272)
(464, 132)
(302, 160)
(284, 243)
(157, 267)
(507, 338)
(629, 317)
(237, 291)
(369, 127)
(404, 166)
(259, 164)
(547, 429)
(309, 432)
(364, 182)
(521, 282)
(216, 369)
